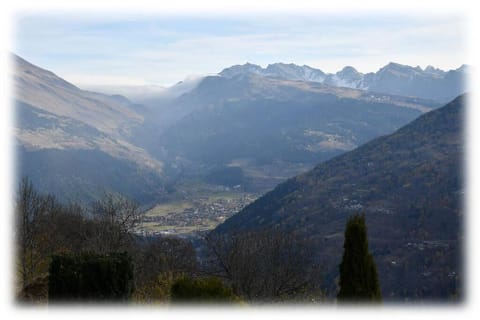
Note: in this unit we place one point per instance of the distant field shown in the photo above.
(165, 208)
(155, 227)
(171, 216)
(178, 206)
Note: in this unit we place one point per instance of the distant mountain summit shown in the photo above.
(394, 78)
(348, 77)
(277, 70)
(404, 80)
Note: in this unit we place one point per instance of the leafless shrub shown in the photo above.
(267, 265)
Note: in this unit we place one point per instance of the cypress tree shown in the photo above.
(358, 273)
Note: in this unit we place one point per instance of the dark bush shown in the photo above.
(201, 290)
(90, 277)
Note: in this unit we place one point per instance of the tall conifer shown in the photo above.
(358, 273)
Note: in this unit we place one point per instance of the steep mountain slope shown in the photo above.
(85, 174)
(46, 91)
(409, 185)
(394, 78)
(53, 117)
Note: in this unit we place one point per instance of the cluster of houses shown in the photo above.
(203, 215)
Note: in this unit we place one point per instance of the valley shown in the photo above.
(198, 202)
(243, 126)
(257, 162)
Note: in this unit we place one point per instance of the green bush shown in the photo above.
(201, 290)
(90, 277)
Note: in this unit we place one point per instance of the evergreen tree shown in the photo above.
(90, 277)
(358, 273)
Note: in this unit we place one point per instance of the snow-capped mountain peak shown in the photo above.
(393, 78)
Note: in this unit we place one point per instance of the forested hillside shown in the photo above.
(409, 185)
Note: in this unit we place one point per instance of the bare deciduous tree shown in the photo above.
(161, 255)
(267, 265)
(31, 207)
(118, 218)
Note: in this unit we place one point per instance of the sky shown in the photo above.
(123, 50)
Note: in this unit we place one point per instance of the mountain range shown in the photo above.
(270, 124)
(257, 119)
(393, 78)
(408, 184)
(280, 120)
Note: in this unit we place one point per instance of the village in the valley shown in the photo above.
(200, 214)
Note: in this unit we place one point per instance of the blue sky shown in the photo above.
(90, 49)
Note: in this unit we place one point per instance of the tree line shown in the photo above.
(69, 251)
(45, 227)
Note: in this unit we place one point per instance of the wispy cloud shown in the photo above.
(156, 50)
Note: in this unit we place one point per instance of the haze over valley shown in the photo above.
(240, 132)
